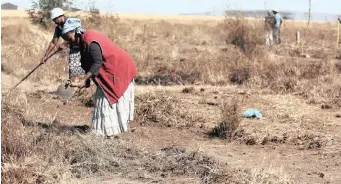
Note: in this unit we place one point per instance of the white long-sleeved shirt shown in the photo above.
(278, 20)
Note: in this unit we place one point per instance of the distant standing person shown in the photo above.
(277, 26)
(268, 26)
(112, 70)
(75, 69)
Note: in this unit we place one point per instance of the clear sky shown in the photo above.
(198, 6)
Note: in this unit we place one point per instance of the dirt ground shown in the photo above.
(302, 140)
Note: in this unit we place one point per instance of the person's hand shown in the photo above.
(80, 85)
(43, 60)
(63, 45)
(87, 83)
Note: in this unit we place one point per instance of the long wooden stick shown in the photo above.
(59, 49)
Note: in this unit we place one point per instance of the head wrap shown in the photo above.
(72, 24)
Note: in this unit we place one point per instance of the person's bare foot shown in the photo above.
(132, 125)
(112, 137)
(65, 102)
(133, 122)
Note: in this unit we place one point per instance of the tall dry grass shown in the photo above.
(186, 45)
(197, 53)
(23, 45)
(231, 51)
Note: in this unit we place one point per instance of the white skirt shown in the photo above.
(111, 120)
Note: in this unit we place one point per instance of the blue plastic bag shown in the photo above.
(252, 113)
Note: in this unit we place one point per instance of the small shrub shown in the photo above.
(230, 120)
(188, 90)
(96, 20)
(242, 34)
(239, 76)
(40, 11)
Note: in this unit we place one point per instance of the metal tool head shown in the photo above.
(65, 91)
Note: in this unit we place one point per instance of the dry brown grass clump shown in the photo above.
(165, 109)
(105, 23)
(230, 122)
(316, 81)
(244, 34)
(239, 76)
(12, 145)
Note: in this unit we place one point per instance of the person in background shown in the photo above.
(269, 21)
(75, 69)
(112, 70)
(277, 26)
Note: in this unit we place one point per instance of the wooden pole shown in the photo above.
(298, 37)
(306, 30)
(338, 34)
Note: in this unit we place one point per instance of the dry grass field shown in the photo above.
(197, 75)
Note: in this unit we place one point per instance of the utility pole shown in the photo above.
(265, 5)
